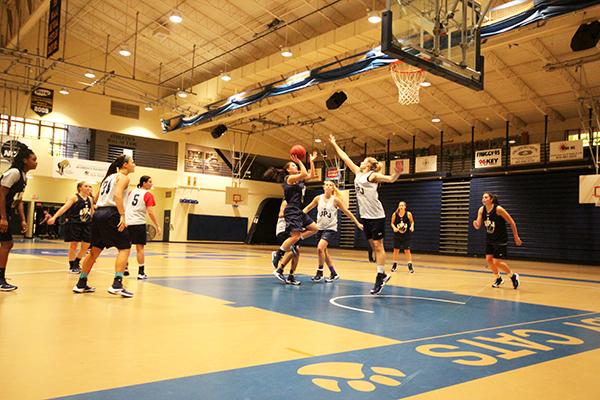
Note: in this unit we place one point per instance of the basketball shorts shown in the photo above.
(105, 232)
(137, 234)
(75, 232)
(374, 228)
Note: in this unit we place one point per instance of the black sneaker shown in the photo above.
(380, 282)
(410, 268)
(515, 280)
(126, 272)
(279, 275)
(498, 282)
(7, 287)
(394, 266)
(318, 277)
(292, 281)
(82, 287)
(333, 277)
(74, 270)
(117, 288)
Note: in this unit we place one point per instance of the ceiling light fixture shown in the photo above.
(148, 108)
(374, 17)
(176, 17)
(286, 52)
(425, 84)
(89, 74)
(124, 52)
(317, 140)
(435, 119)
(63, 91)
(225, 76)
(512, 141)
(182, 94)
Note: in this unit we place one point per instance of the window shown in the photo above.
(585, 136)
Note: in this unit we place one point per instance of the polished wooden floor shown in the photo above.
(212, 322)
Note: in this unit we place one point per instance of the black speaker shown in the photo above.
(586, 37)
(336, 100)
(218, 131)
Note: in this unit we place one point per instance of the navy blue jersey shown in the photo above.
(495, 227)
(80, 212)
(402, 224)
(15, 181)
(293, 194)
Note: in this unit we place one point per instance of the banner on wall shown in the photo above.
(567, 150)
(41, 101)
(488, 158)
(525, 154)
(80, 170)
(53, 27)
(426, 164)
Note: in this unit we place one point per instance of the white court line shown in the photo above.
(333, 301)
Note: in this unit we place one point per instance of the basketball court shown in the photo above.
(502, 96)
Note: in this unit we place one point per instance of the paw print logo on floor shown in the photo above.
(333, 376)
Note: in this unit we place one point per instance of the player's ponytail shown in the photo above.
(275, 174)
(116, 165)
(494, 197)
(143, 179)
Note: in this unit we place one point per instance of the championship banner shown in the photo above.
(53, 28)
(488, 158)
(567, 150)
(426, 164)
(80, 170)
(525, 154)
(41, 101)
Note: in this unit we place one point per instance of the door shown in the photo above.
(166, 225)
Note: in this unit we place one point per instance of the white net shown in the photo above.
(408, 79)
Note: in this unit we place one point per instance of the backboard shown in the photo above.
(236, 196)
(589, 189)
(434, 36)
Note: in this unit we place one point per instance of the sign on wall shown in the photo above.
(41, 101)
(10, 148)
(426, 164)
(488, 158)
(525, 154)
(567, 150)
(80, 170)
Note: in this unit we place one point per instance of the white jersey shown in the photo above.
(107, 192)
(138, 202)
(369, 206)
(280, 228)
(327, 214)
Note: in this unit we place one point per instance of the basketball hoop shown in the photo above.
(408, 79)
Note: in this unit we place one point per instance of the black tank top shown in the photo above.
(15, 193)
(80, 211)
(293, 193)
(403, 224)
(495, 227)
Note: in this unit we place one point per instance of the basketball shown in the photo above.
(298, 150)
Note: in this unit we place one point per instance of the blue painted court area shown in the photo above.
(444, 339)
(411, 314)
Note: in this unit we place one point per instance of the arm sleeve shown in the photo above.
(10, 177)
(149, 200)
